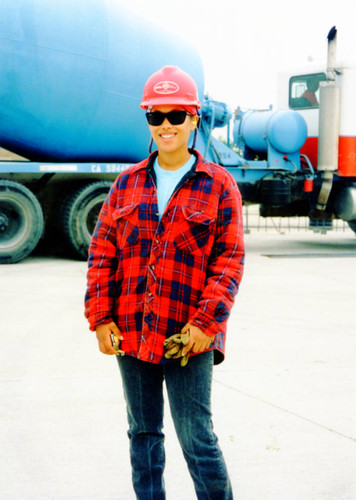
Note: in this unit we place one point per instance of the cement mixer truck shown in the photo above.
(72, 74)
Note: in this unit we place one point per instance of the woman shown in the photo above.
(165, 261)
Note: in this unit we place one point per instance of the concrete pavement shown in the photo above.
(284, 400)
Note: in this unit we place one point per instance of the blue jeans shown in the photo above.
(189, 390)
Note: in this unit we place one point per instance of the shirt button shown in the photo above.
(157, 241)
(150, 294)
(153, 267)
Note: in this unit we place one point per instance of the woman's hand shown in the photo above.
(103, 334)
(198, 340)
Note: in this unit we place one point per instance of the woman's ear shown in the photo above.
(195, 121)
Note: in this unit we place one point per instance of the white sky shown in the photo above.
(244, 43)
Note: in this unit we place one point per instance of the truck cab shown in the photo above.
(296, 89)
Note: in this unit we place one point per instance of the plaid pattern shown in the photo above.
(151, 277)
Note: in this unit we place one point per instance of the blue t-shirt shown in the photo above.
(167, 180)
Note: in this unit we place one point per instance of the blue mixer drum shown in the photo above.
(72, 75)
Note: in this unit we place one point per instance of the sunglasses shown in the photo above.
(175, 117)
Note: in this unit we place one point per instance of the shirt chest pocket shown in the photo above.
(127, 225)
(194, 232)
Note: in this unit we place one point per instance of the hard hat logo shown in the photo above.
(166, 87)
(170, 85)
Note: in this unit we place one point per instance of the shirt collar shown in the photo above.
(200, 164)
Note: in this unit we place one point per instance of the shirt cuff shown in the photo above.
(95, 321)
(206, 324)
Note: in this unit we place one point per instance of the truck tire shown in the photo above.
(21, 221)
(79, 214)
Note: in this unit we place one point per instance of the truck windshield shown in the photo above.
(304, 91)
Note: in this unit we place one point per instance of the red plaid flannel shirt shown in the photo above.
(153, 276)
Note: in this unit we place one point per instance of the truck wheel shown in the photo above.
(79, 215)
(352, 225)
(21, 221)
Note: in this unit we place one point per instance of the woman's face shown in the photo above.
(172, 139)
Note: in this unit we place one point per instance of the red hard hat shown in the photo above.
(170, 85)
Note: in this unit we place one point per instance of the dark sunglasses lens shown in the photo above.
(174, 117)
(155, 118)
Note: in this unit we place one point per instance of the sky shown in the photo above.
(243, 45)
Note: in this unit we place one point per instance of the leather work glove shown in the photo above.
(174, 346)
(115, 343)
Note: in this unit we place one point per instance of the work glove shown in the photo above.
(115, 343)
(174, 346)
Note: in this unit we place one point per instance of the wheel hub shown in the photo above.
(4, 222)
